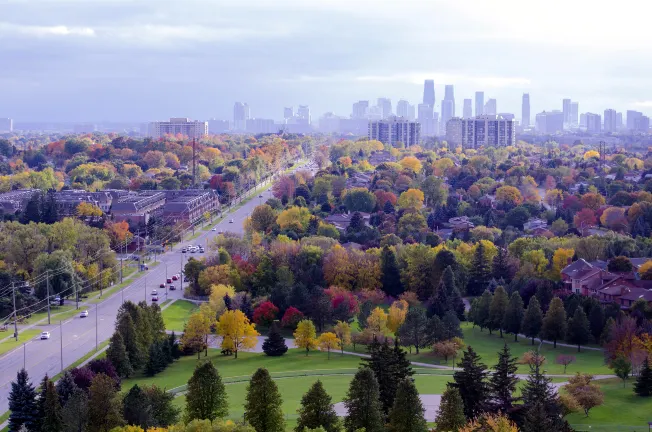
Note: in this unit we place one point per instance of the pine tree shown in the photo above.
(484, 305)
(206, 397)
(578, 329)
(480, 272)
(117, 355)
(317, 410)
(497, 309)
(174, 346)
(263, 403)
(500, 264)
(454, 297)
(390, 274)
(471, 383)
(136, 408)
(127, 330)
(450, 416)
(50, 212)
(533, 320)
(502, 382)
(104, 405)
(50, 409)
(390, 366)
(643, 385)
(537, 420)
(65, 387)
(274, 345)
(363, 406)
(406, 414)
(156, 361)
(514, 315)
(554, 323)
(75, 412)
(596, 322)
(22, 404)
(538, 390)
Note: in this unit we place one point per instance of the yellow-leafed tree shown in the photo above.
(560, 260)
(88, 209)
(397, 312)
(238, 334)
(377, 321)
(216, 299)
(195, 335)
(305, 336)
(343, 331)
(329, 341)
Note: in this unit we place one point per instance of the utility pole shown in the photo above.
(47, 280)
(145, 288)
(194, 162)
(76, 298)
(13, 293)
(24, 354)
(61, 337)
(181, 274)
(96, 344)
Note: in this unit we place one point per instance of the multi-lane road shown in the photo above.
(74, 338)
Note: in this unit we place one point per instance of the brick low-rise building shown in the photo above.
(190, 206)
(137, 209)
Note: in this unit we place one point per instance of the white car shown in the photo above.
(84, 314)
(154, 292)
(231, 221)
(45, 335)
(214, 229)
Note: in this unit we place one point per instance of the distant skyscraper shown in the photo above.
(566, 109)
(360, 109)
(490, 107)
(429, 93)
(574, 114)
(288, 113)
(447, 113)
(6, 125)
(303, 113)
(550, 122)
(403, 108)
(216, 126)
(412, 115)
(467, 111)
(583, 120)
(593, 123)
(632, 117)
(610, 120)
(179, 125)
(385, 105)
(241, 114)
(449, 94)
(619, 121)
(454, 129)
(479, 103)
(525, 110)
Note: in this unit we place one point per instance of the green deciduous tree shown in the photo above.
(75, 412)
(514, 315)
(263, 408)
(136, 409)
(104, 405)
(533, 319)
(554, 323)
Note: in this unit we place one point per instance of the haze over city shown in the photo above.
(144, 61)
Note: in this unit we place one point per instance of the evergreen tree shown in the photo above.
(206, 398)
(50, 408)
(50, 213)
(263, 403)
(75, 412)
(514, 315)
(596, 322)
(439, 302)
(388, 208)
(537, 420)
(175, 352)
(156, 360)
(471, 383)
(450, 416)
(136, 408)
(502, 382)
(104, 405)
(578, 329)
(390, 274)
(390, 366)
(643, 385)
(117, 355)
(127, 330)
(65, 387)
(363, 406)
(554, 323)
(22, 404)
(500, 265)
(274, 345)
(450, 326)
(533, 320)
(413, 330)
(32, 212)
(480, 272)
(538, 390)
(406, 414)
(484, 306)
(317, 410)
(497, 309)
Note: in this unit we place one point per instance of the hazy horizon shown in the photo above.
(119, 60)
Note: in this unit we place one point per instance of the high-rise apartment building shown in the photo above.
(574, 114)
(412, 112)
(288, 113)
(216, 126)
(454, 128)
(610, 120)
(525, 110)
(449, 94)
(179, 125)
(490, 108)
(467, 111)
(447, 113)
(619, 121)
(424, 112)
(241, 114)
(428, 119)
(479, 103)
(566, 110)
(632, 118)
(303, 114)
(550, 122)
(593, 123)
(360, 109)
(403, 108)
(6, 125)
(395, 130)
(385, 105)
(485, 130)
(429, 93)
(642, 124)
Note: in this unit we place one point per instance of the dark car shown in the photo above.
(161, 286)
(173, 288)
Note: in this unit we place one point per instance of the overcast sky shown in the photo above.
(144, 60)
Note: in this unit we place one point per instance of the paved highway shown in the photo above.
(79, 335)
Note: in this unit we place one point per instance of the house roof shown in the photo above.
(637, 262)
(600, 264)
(579, 269)
(638, 293)
(615, 290)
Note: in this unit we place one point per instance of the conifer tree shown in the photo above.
(643, 385)
(390, 274)
(156, 361)
(596, 322)
(364, 409)
(65, 387)
(450, 416)
(174, 346)
(502, 382)
(206, 397)
(500, 265)
(263, 403)
(471, 383)
(317, 410)
(117, 355)
(50, 408)
(578, 332)
(413, 330)
(554, 323)
(136, 408)
(537, 420)
(130, 338)
(482, 314)
(390, 366)
(538, 390)
(75, 411)
(497, 309)
(22, 404)
(533, 319)
(274, 345)
(406, 414)
(480, 272)
(514, 315)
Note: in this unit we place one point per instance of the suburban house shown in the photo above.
(627, 300)
(581, 277)
(16, 200)
(460, 223)
(341, 221)
(378, 157)
(488, 201)
(535, 225)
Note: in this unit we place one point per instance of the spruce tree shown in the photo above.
(471, 383)
(136, 408)
(263, 403)
(454, 297)
(65, 387)
(502, 382)
(127, 330)
(554, 322)
(363, 406)
(156, 361)
(390, 278)
(539, 390)
(514, 315)
(596, 322)
(75, 412)
(22, 404)
(497, 309)
(390, 366)
(439, 302)
(537, 419)
(174, 346)
(50, 409)
(117, 355)
(480, 272)
(206, 398)
(500, 264)
(484, 305)
(450, 416)
(274, 345)
(406, 414)
(317, 410)
(578, 332)
(533, 319)
(643, 385)
(50, 212)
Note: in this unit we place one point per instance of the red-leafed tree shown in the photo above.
(216, 181)
(584, 219)
(344, 303)
(284, 186)
(291, 317)
(265, 314)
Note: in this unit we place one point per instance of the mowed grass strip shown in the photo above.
(177, 314)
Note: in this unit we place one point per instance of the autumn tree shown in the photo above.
(411, 198)
(565, 360)
(509, 195)
(263, 218)
(238, 334)
(411, 163)
(195, 335)
(584, 391)
(343, 332)
(584, 220)
(560, 260)
(396, 316)
(305, 336)
(593, 200)
(328, 341)
(377, 321)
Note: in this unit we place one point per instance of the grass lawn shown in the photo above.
(176, 315)
(24, 336)
(487, 346)
(42, 316)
